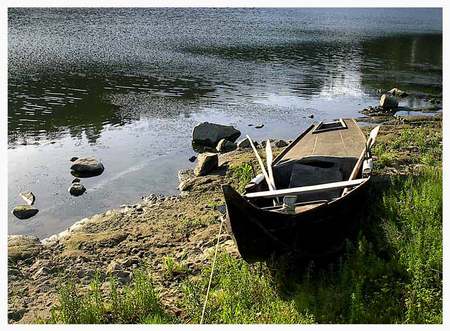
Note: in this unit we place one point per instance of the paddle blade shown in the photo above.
(269, 155)
(269, 159)
(373, 136)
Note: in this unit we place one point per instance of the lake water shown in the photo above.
(128, 85)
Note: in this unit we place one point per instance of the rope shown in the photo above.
(212, 271)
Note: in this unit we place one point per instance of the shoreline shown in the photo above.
(120, 240)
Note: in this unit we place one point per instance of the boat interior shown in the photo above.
(309, 170)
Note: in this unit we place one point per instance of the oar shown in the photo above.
(370, 141)
(261, 165)
(269, 159)
(373, 136)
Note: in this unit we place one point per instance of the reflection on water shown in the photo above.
(128, 85)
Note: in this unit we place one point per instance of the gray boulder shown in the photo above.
(225, 146)
(87, 167)
(209, 134)
(24, 211)
(206, 163)
(281, 143)
(397, 92)
(263, 143)
(245, 143)
(76, 189)
(388, 101)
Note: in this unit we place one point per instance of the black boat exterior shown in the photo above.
(318, 232)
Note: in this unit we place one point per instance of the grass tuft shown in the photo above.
(241, 175)
(135, 303)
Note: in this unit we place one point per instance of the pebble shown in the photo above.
(76, 189)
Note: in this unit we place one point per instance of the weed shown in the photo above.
(241, 175)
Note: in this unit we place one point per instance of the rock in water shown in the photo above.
(259, 126)
(397, 92)
(28, 197)
(206, 163)
(76, 180)
(388, 101)
(225, 146)
(209, 134)
(73, 159)
(77, 189)
(87, 167)
(24, 211)
(192, 158)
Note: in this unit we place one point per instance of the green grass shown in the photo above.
(420, 145)
(172, 267)
(241, 175)
(135, 303)
(240, 293)
(391, 274)
(413, 226)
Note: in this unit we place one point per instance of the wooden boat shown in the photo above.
(321, 179)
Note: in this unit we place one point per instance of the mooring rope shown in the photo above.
(212, 271)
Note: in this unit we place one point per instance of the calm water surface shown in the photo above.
(128, 85)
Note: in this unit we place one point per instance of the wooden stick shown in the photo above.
(304, 189)
(261, 164)
(269, 159)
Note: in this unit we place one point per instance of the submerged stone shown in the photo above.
(77, 189)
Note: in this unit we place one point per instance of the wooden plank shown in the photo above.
(345, 142)
(292, 144)
(304, 189)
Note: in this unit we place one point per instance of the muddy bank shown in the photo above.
(181, 228)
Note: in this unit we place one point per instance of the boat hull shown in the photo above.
(260, 234)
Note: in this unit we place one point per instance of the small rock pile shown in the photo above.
(388, 103)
